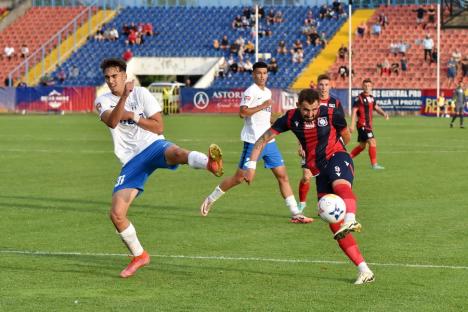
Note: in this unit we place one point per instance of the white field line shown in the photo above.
(53, 151)
(225, 258)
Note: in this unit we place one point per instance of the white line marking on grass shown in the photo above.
(223, 258)
(51, 151)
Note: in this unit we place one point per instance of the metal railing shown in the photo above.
(39, 56)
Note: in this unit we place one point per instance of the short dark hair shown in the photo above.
(260, 65)
(309, 95)
(114, 62)
(323, 77)
(366, 80)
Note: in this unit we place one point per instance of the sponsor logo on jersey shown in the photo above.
(309, 125)
(322, 121)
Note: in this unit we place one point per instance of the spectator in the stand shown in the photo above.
(282, 49)
(451, 70)
(140, 39)
(298, 56)
(385, 67)
(404, 64)
(233, 66)
(127, 55)
(464, 66)
(125, 29)
(343, 71)
(148, 29)
(270, 18)
(248, 66)
(395, 68)
(61, 76)
(403, 48)
(24, 51)
(249, 47)
(247, 13)
(188, 82)
(376, 28)
(394, 48)
(431, 16)
(225, 43)
(383, 20)
(22, 84)
(216, 44)
(278, 17)
(456, 55)
(223, 69)
(324, 11)
(113, 34)
(245, 22)
(99, 36)
(74, 72)
(420, 16)
(342, 52)
(9, 52)
(428, 45)
(313, 37)
(237, 23)
(433, 56)
(336, 8)
(132, 37)
(323, 39)
(273, 65)
(362, 29)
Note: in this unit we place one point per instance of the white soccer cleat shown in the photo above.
(364, 278)
(206, 206)
(346, 228)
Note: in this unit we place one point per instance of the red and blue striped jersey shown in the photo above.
(365, 106)
(319, 138)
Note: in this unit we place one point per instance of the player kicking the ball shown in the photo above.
(322, 131)
(134, 118)
(255, 108)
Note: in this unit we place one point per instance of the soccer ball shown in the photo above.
(331, 208)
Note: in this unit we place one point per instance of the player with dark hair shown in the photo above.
(255, 108)
(322, 131)
(363, 107)
(323, 88)
(134, 118)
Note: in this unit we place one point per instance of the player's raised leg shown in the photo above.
(343, 189)
(121, 201)
(213, 162)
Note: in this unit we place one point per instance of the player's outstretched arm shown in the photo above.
(353, 120)
(257, 150)
(346, 135)
(245, 111)
(380, 111)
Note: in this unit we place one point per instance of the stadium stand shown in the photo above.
(189, 32)
(368, 51)
(24, 30)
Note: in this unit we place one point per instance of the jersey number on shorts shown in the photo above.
(120, 180)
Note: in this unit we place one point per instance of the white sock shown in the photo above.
(292, 204)
(197, 160)
(129, 237)
(349, 217)
(217, 193)
(303, 204)
(363, 267)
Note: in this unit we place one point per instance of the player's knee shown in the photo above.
(116, 217)
(283, 178)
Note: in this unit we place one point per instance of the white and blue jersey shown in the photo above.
(140, 151)
(271, 156)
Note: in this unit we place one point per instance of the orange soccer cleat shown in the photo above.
(215, 160)
(300, 218)
(135, 264)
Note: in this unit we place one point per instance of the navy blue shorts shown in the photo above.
(340, 166)
(364, 134)
(271, 155)
(135, 173)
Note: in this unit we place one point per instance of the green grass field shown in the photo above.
(59, 251)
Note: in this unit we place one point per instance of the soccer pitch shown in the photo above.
(59, 250)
